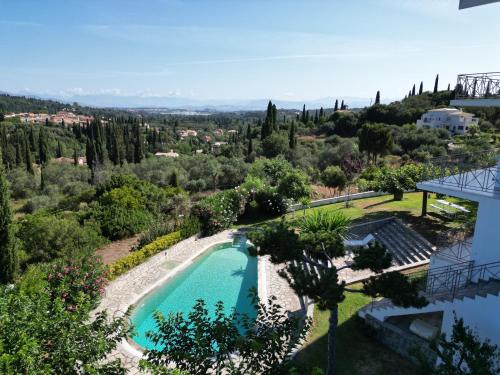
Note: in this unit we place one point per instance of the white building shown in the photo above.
(463, 279)
(454, 120)
(170, 154)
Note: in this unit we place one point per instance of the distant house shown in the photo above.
(232, 131)
(187, 133)
(219, 132)
(454, 120)
(218, 144)
(82, 160)
(207, 138)
(170, 154)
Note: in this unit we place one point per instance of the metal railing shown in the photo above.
(478, 86)
(449, 280)
(471, 171)
(455, 244)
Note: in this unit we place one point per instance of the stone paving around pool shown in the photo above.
(129, 288)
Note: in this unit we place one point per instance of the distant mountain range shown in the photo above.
(170, 102)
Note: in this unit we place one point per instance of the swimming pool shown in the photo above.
(224, 272)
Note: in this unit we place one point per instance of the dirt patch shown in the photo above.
(115, 250)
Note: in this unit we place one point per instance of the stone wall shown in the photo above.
(403, 343)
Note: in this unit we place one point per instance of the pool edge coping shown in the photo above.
(137, 351)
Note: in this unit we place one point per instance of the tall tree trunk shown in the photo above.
(332, 341)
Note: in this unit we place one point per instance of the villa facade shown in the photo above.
(454, 120)
(463, 279)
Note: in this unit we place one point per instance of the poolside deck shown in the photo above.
(129, 288)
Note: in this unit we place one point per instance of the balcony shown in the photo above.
(454, 245)
(477, 90)
(463, 175)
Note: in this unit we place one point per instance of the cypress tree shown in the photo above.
(336, 107)
(174, 180)
(249, 132)
(19, 152)
(43, 147)
(316, 117)
(342, 106)
(449, 87)
(90, 154)
(28, 158)
(42, 177)
(413, 90)
(250, 147)
(304, 114)
(75, 158)
(377, 98)
(138, 144)
(59, 150)
(421, 89)
(98, 139)
(275, 117)
(32, 140)
(436, 84)
(321, 113)
(9, 261)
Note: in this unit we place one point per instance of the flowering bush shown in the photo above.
(270, 202)
(68, 279)
(219, 211)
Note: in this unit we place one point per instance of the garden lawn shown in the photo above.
(357, 352)
(367, 209)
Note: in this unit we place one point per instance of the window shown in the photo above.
(460, 127)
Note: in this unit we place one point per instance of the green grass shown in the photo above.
(408, 209)
(357, 352)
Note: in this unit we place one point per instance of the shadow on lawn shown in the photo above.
(380, 203)
(358, 352)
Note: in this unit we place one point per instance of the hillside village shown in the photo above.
(323, 239)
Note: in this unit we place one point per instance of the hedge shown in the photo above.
(137, 257)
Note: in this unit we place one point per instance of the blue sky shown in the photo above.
(217, 49)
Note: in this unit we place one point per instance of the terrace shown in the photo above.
(477, 90)
(468, 176)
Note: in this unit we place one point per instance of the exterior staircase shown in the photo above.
(408, 248)
(445, 286)
(385, 308)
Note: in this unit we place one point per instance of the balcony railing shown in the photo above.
(472, 171)
(478, 86)
(450, 280)
(455, 244)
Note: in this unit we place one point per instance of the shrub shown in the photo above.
(36, 203)
(137, 257)
(219, 211)
(119, 222)
(22, 184)
(67, 279)
(190, 227)
(294, 185)
(158, 229)
(271, 203)
(45, 237)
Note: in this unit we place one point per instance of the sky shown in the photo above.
(235, 49)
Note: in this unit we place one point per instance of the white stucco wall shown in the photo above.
(486, 243)
(479, 313)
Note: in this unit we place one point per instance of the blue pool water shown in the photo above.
(225, 273)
